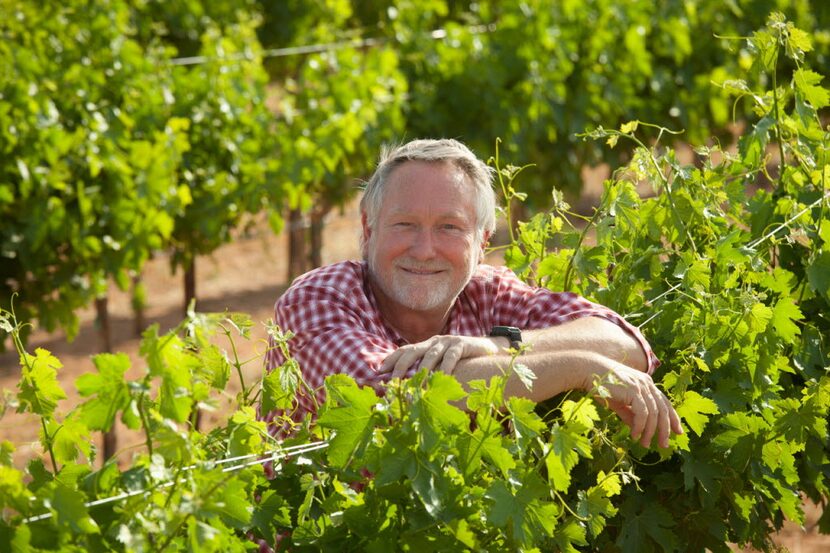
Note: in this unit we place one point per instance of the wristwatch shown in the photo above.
(510, 332)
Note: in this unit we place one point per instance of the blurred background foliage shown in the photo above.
(134, 127)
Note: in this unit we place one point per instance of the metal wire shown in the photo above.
(276, 455)
(437, 34)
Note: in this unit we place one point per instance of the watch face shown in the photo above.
(510, 332)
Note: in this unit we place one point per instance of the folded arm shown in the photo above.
(566, 357)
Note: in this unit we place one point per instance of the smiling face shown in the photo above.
(422, 248)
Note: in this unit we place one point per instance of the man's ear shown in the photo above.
(485, 241)
(364, 223)
(365, 232)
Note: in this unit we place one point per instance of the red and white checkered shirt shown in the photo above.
(338, 327)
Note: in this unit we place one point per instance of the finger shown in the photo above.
(431, 358)
(622, 410)
(409, 355)
(640, 411)
(653, 416)
(400, 370)
(389, 363)
(676, 427)
(664, 427)
(451, 358)
(405, 362)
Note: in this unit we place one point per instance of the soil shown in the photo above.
(246, 275)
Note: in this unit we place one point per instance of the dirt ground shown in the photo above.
(246, 275)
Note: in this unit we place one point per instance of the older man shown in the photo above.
(422, 298)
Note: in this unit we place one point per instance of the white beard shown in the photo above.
(432, 293)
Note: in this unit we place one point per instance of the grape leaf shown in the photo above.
(645, 521)
(783, 315)
(110, 391)
(39, 387)
(566, 447)
(807, 82)
(347, 411)
(68, 507)
(818, 274)
(694, 410)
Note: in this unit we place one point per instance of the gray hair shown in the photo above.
(446, 149)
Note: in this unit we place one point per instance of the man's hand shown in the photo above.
(632, 394)
(640, 404)
(441, 352)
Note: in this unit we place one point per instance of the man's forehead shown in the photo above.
(440, 185)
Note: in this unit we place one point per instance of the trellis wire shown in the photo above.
(437, 34)
(276, 455)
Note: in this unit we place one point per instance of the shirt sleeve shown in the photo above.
(518, 304)
(330, 336)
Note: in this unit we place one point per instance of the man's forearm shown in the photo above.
(632, 394)
(589, 334)
(556, 372)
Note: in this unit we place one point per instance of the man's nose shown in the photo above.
(423, 247)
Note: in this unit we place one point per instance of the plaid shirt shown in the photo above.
(338, 327)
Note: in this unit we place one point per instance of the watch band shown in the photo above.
(510, 332)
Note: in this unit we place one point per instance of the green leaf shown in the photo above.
(109, 388)
(783, 315)
(780, 455)
(798, 40)
(68, 439)
(745, 504)
(215, 365)
(234, 505)
(525, 374)
(743, 436)
(818, 274)
(758, 318)
(245, 432)
(279, 387)
(496, 453)
(435, 490)
(630, 127)
(583, 412)
(271, 513)
(348, 411)
(808, 83)
(694, 410)
(397, 457)
(174, 395)
(168, 358)
(703, 471)
(645, 521)
(610, 483)
(594, 507)
(13, 493)
(531, 518)
(39, 387)
(569, 533)
(566, 444)
(67, 505)
(526, 424)
(40, 476)
(433, 410)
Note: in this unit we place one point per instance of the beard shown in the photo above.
(420, 292)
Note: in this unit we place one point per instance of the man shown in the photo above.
(422, 298)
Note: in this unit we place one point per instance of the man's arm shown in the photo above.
(591, 334)
(570, 356)
(633, 394)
